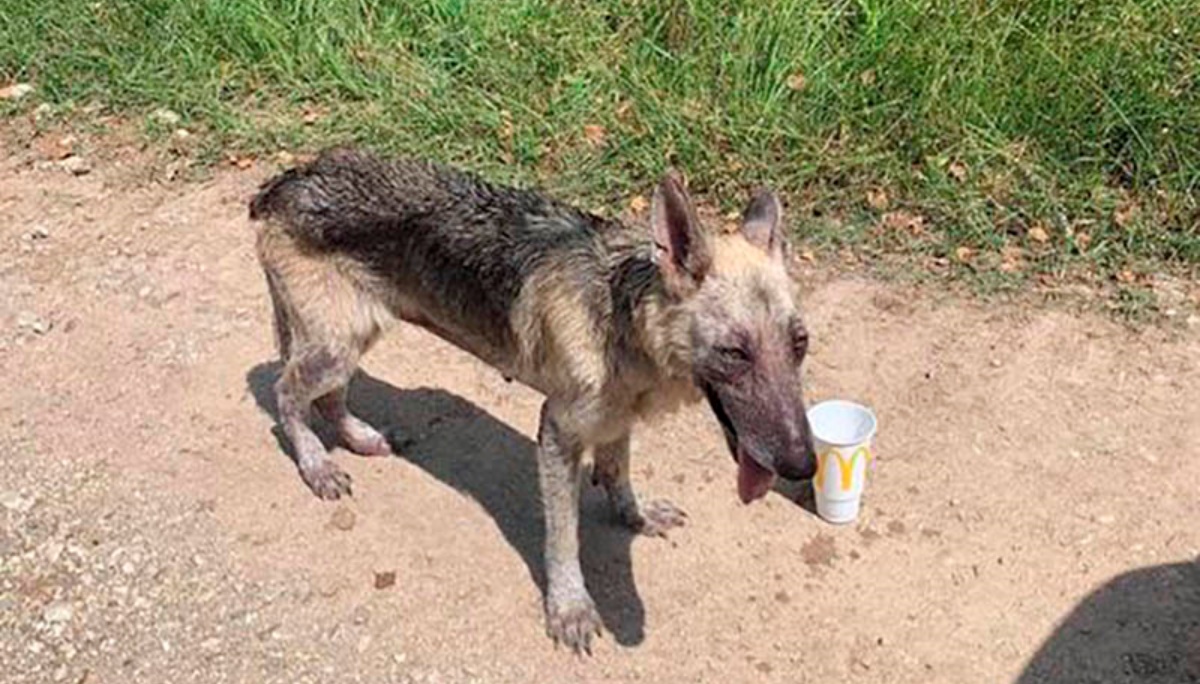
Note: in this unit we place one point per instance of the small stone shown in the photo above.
(1106, 519)
(53, 551)
(59, 611)
(211, 645)
(39, 232)
(384, 580)
(360, 615)
(145, 291)
(364, 643)
(15, 91)
(181, 134)
(164, 116)
(15, 502)
(27, 320)
(343, 519)
(77, 166)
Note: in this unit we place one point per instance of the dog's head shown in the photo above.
(747, 338)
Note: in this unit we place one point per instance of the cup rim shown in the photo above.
(846, 405)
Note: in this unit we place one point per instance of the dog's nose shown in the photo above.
(801, 464)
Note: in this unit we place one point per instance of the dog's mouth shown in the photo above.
(754, 479)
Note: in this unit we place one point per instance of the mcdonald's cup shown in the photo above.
(842, 434)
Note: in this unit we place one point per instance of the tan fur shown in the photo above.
(322, 295)
(557, 349)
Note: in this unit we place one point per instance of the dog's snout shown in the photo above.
(801, 467)
(799, 462)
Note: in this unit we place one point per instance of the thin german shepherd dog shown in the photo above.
(610, 323)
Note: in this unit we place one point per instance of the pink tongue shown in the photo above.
(754, 481)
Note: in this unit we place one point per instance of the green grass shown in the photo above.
(989, 119)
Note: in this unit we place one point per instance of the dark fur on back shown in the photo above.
(467, 243)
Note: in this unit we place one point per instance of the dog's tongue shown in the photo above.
(754, 481)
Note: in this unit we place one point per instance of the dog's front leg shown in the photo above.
(571, 616)
(612, 470)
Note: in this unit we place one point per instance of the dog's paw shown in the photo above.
(363, 439)
(326, 480)
(653, 519)
(573, 623)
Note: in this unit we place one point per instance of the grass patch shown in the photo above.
(1041, 137)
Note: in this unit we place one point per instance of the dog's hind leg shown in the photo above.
(611, 468)
(353, 431)
(313, 372)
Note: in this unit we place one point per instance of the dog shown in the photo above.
(610, 323)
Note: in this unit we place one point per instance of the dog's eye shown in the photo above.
(734, 356)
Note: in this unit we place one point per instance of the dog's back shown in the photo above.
(486, 267)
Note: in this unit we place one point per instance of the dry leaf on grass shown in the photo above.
(1082, 241)
(1011, 258)
(1038, 234)
(964, 254)
(808, 256)
(15, 91)
(507, 130)
(638, 204)
(1125, 214)
(903, 220)
(957, 170)
(1126, 276)
(240, 161)
(311, 117)
(797, 81)
(877, 199)
(867, 77)
(594, 134)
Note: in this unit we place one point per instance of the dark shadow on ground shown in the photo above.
(470, 450)
(1143, 626)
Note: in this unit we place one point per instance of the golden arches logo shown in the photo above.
(845, 467)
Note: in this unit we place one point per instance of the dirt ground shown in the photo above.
(1033, 516)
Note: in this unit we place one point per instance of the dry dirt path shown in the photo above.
(1034, 516)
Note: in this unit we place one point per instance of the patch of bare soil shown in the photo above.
(1032, 517)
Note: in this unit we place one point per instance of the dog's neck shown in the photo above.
(649, 323)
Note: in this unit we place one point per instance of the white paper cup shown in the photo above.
(842, 433)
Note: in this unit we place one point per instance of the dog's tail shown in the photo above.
(342, 196)
(271, 198)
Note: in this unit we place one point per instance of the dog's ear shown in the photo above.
(681, 246)
(762, 223)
